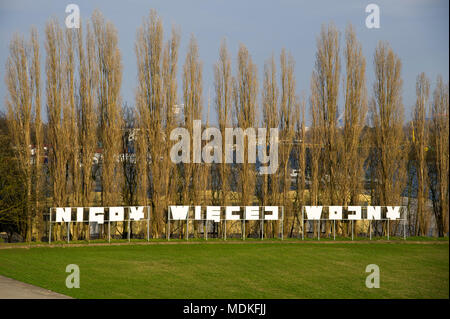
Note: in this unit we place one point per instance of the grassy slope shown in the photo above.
(270, 270)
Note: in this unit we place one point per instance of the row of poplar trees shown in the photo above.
(85, 113)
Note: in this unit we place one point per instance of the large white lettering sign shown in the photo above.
(218, 213)
(352, 212)
(99, 214)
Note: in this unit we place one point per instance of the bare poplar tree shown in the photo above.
(388, 138)
(169, 172)
(109, 63)
(38, 131)
(325, 89)
(193, 106)
(419, 143)
(300, 146)
(73, 181)
(354, 150)
(155, 99)
(148, 48)
(439, 167)
(315, 144)
(326, 86)
(23, 113)
(271, 114)
(59, 114)
(57, 111)
(223, 88)
(87, 106)
(192, 93)
(74, 160)
(289, 113)
(270, 101)
(245, 90)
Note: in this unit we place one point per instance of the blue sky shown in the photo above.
(417, 30)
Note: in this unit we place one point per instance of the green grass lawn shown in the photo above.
(247, 270)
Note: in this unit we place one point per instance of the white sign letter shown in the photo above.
(116, 214)
(213, 213)
(335, 212)
(229, 212)
(96, 214)
(313, 212)
(251, 212)
(80, 212)
(179, 212)
(137, 213)
(374, 212)
(198, 212)
(393, 212)
(63, 214)
(356, 215)
(274, 210)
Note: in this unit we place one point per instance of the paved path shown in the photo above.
(13, 289)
